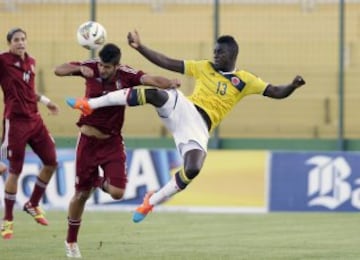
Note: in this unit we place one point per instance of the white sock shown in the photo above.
(165, 192)
(114, 98)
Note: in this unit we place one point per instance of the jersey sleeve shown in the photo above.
(255, 85)
(133, 76)
(78, 63)
(190, 67)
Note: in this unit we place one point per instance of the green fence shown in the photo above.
(278, 39)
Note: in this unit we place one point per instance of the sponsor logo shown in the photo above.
(147, 170)
(329, 185)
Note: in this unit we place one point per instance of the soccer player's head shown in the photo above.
(16, 39)
(110, 56)
(225, 53)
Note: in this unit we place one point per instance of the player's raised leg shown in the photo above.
(80, 103)
(122, 97)
(193, 161)
(114, 98)
(152, 199)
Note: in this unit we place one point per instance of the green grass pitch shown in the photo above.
(164, 235)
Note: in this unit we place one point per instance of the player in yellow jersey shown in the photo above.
(219, 86)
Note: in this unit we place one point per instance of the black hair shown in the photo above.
(229, 41)
(110, 53)
(11, 33)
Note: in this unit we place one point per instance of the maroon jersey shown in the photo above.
(17, 80)
(108, 120)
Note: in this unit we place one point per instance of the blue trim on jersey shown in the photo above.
(235, 81)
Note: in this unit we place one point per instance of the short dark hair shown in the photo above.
(11, 33)
(230, 41)
(110, 53)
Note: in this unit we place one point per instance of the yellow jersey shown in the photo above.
(216, 92)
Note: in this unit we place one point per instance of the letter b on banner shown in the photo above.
(314, 182)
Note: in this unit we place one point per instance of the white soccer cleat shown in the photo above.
(72, 250)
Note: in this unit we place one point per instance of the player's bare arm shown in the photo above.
(284, 91)
(53, 107)
(3, 168)
(160, 82)
(68, 69)
(155, 57)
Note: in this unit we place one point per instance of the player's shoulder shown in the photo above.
(5, 54)
(2, 56)
(197, 62)
(198, 65)
(246, 73)
(127, 69)
(90, 62)
(8, 57)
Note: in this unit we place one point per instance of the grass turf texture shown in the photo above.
(112, 235)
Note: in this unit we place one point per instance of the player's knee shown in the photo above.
(192, 172)
(156, 97)
(82, 196)
(116, 194)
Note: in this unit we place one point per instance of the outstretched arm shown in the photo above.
(3, 168)
(68, 69)
(284, 91)
(153, 56)
(160, 82)
(53, 107)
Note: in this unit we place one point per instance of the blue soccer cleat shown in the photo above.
(144, 209)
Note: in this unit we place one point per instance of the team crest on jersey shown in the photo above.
(237, 82)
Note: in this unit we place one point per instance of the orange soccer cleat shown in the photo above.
(80, 103)
(144, 209)
(37, 213)
(7, 229)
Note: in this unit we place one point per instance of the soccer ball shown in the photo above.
(91, 35)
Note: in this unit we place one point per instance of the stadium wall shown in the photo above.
(276, 41)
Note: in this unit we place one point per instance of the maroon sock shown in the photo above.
(73, 230)
(10, 199)
(38, 192)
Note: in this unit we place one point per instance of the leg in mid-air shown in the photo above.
(129, 96)
(10, 191)
(113, 181)
(32, 206)
(193, 162)
(44, 146)
(191, 136)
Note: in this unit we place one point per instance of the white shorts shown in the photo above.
(182, 119)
